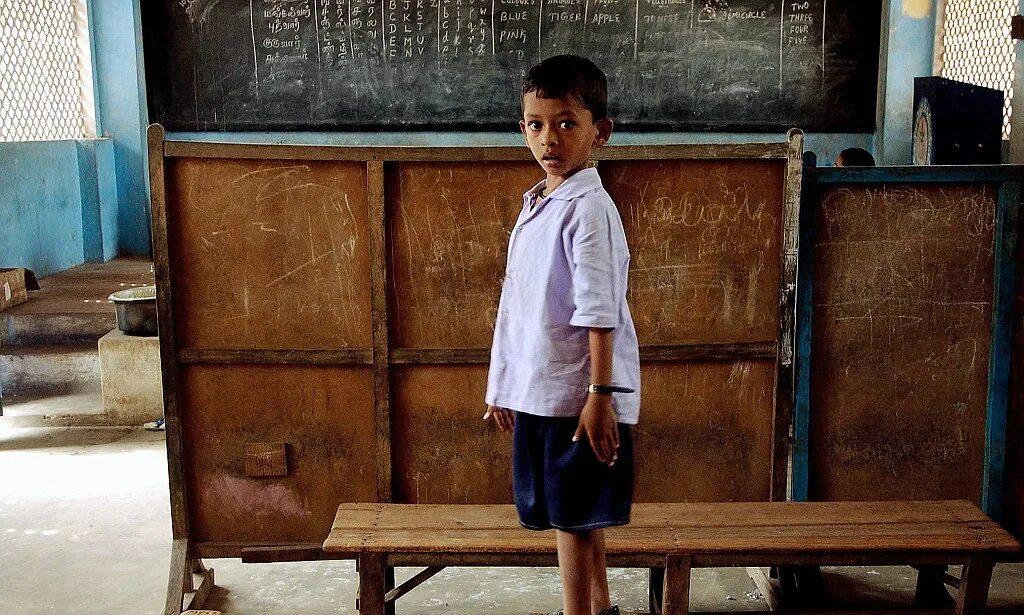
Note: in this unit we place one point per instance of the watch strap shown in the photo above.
(607, 389)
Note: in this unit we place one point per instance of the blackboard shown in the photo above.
(760, 65)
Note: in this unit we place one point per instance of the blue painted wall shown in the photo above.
(121, 113)
(98, 182)
(910, 39)
(58, 204)
(40, 206)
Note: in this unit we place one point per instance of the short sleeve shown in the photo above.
(596, 288)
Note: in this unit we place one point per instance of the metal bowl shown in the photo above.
(136, 310)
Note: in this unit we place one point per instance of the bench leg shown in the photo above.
(371, 584)
(389, 584)
(655, 589)
(931, 588)
(676, 599)
(973, 592)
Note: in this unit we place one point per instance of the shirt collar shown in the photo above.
(578, 184)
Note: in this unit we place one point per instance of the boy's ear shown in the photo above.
(604, 131)
(522, 127)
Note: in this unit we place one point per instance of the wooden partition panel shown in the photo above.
(443, 451)
(276, 253)
(902, 304)
(1014, 520)
(323, 415)
(705, 239)
(327, 313)
(272, 256)
(448, 228)
(705, 432)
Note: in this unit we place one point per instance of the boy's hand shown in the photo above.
(504, 417)
(598, 422)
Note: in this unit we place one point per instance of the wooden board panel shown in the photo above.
(705, 432)
(271, 273)
(448, 229)
(714, 416)
(1014, 502)
(901, 335)
(271, 254)
(323, 414)
(442, 450)
(705, 240)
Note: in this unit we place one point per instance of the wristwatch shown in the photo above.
(608, 389)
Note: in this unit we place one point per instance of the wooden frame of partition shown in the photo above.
(187, 552)
(1008, 178)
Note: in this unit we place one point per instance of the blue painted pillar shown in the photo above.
(122, 113)
(1015, 150)
(911, 40)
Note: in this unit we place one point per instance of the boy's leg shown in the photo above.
(599, 598)
(575, 564)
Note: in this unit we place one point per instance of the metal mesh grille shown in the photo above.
(977, 48)
(41, 71)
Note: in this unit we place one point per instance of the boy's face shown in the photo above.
(561, 132)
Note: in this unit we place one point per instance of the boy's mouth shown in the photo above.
(551, 158)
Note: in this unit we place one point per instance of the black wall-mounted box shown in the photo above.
(956, 123)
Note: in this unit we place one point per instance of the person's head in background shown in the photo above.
(855, 157)
(565, 114)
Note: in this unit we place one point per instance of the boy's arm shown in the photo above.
(597, 419)
(601, 356)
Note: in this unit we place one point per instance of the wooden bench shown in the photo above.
(676, 537)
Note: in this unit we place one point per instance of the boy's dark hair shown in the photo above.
(570, 75)
(856, 157)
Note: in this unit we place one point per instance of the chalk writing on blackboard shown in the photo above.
(698, 63)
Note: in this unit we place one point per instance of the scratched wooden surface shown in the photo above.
(323, 414)
(902, 327)
(448, 232)
(705, 432)
(1015, 413)
(269, 255)
(708, 416)
(443, 450)
(272, 254)
(705, 241)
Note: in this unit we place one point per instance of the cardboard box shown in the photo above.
(12, 287)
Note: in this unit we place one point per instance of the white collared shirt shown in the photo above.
(565, 272)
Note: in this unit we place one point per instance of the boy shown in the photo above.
(563, 324)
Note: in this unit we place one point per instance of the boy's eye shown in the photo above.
(534, 125)
(565, 124)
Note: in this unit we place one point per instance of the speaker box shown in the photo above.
(956, 123)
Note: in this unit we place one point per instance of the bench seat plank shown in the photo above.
(804, 527)
(730, 514)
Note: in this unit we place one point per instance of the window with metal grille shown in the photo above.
(45, 70)
(976, 46)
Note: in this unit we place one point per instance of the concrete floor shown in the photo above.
(85, 528)
(84, 289)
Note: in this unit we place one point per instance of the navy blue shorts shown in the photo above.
(560, 484)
